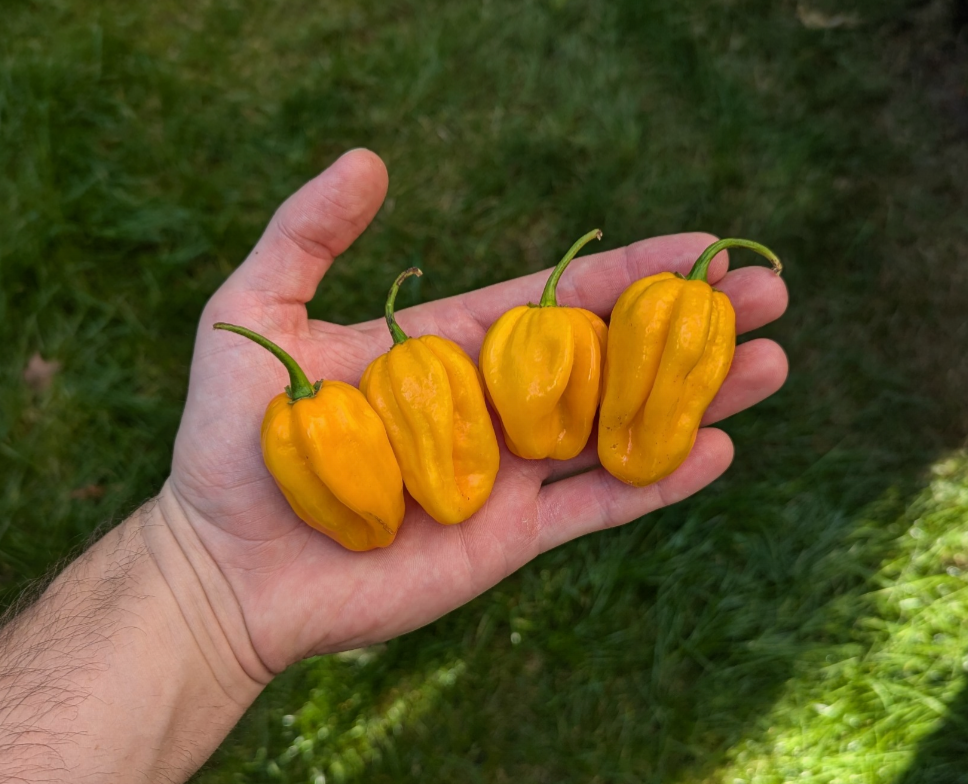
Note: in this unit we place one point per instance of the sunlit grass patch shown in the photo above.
(344, 754)
(855, 710)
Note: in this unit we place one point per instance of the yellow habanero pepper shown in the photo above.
(428, 393)
(330, 456)
(670, 344)
(542, 365)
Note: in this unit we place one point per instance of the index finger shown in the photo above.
(592, 282)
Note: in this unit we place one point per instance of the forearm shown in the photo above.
(132, 666)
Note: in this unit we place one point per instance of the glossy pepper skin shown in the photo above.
(670, 345)
(542, 367)
(329, 454)
(428, 394)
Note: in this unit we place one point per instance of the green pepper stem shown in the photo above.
(398, 334)
(701, 267)
(299, 386)
(548, 297)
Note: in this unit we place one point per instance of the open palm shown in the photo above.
(300, 593)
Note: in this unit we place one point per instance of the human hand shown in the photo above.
(298, 593)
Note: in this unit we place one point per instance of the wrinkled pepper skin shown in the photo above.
(330, 456)
(428, 394)
(670, 346)
(542, 368)
(331, 459)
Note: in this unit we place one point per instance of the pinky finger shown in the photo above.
(590, 502)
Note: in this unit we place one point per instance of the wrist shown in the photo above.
(205, 600)
(131, 665)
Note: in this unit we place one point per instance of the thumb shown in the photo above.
(312, 227)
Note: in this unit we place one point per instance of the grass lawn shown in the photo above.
(805, 618)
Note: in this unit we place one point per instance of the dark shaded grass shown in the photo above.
(143, 151)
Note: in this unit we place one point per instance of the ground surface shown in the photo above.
(804, 618)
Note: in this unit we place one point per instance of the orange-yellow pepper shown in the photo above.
(542, 366)
(670, 344)
(329, 454)
(428, 393)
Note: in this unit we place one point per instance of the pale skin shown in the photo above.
(144, 652)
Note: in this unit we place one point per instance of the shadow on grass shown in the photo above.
(942, 757)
